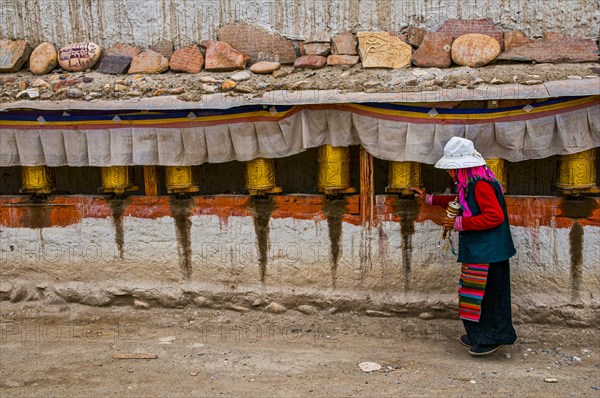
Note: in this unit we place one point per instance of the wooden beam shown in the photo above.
(150, 181)
(367, 188)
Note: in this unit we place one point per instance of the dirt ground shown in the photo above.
(67, 350)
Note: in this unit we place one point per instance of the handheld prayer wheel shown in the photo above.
(261, 177)
(402, 176)
(577, 172)
(498, 167)
(37, 180)
(180, 179)
(334, 170)
(118, 180)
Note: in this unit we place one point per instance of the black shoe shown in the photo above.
(480, 349)
(464, 340)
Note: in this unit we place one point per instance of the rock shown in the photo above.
(343, 60)
(259, 44)
(177, 91)
(377, 313)
(283, 72)
(113, 64)
(207, 88)
(137, 303)
(368, 367)
(124, 50)
(416, 35)
(307, 309)
(32, 93)
(434, 51)
(344, 44)
(426, 315)
(477, 80)
(265, 67)
(221, 56)
(228, 85)
(13, 54)
(79, 57)
(73, 92)
(318, 37)
(66, 83)
(164, 48)
(575, 358)
(459, 27)
(275, 308)
(40, 83)
(317, 49)
(496, 81)
(515, 38)
(210, 79)
(148, 62)
(187, 59)
(382, 50)
(242, 88)
(310, 62)
(241, 76)
(551, 380)
(475, 50)
(569, 49)
(43, 59)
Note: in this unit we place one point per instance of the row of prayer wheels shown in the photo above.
(577, 174)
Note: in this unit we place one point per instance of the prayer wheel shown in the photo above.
(118, 180)
(180, 179)
(37, 180)
(498, 167)
(334, 170)
(577, 172)
(261, 177)
(402, 176)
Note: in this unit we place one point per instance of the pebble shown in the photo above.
(242, 88)
(574, 77)
(507, 355)
(478, 80)
(551, 380)
(32, 93)
(88, 79)
(575, 358)
(368, 367)
(228, 85)
(176, 91)
(275, 308)
(209, 79)
(139, 303)
(283, 72)
(496, 81)
(167, 339)
(208, 88)
(241, 76)
(73, 92)
(23, 84)
(40, 83)
(265, 67)
(426, 315)
(531, 82)
(307, 309)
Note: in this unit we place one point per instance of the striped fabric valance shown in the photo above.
(388, 131)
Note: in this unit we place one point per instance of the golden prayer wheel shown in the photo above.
(402, 176)
(261, 177)
(37, 179)
(118, 180)
(334, 170)
(498, 167)
(180, 179)
(577, 172)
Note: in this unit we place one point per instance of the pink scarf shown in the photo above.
(463, 177)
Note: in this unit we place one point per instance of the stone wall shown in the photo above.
(235, 252)
(143, 22)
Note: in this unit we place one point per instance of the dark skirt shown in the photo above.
(495, 324)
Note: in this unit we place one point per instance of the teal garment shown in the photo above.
(488, 246)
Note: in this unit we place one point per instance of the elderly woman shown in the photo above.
(484, 248)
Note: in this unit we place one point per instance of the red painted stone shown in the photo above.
(221, 56)
(310, 62)
(187, 59)
(434, 51)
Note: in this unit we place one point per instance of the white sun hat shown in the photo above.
(459, 153)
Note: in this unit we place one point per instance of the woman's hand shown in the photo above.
(419, 194)
(448, 223)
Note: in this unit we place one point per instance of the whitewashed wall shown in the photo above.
(184, 21)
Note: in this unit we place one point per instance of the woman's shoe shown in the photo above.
(480, 349)
(464, 340)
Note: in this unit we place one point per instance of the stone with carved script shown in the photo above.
(79, 57)
(382, 50)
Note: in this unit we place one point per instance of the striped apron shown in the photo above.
(471, 288)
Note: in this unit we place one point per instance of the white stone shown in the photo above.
(241, 76)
